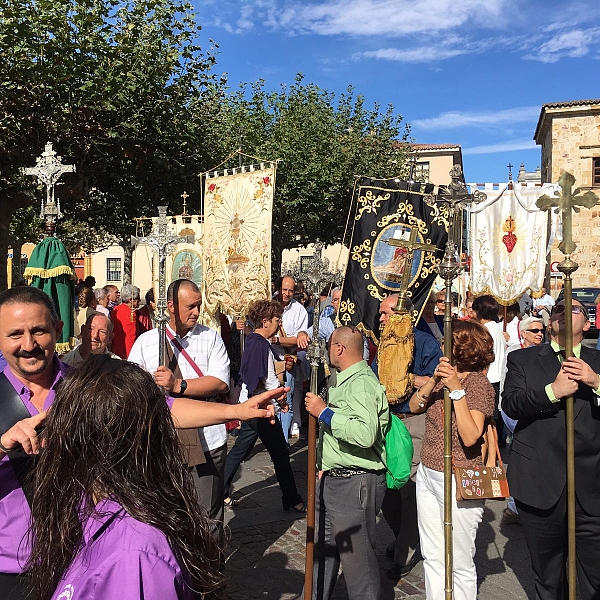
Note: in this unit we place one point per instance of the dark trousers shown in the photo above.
(14, 587)
(546, 535)
(272, 437)
(346, 518)
(210, 490)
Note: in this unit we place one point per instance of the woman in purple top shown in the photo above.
(114, 514)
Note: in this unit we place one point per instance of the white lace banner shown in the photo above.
(508, 241)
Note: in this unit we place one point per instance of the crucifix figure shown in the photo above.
(404, 305)
(162, 240)
(185, 196)
(48, 170)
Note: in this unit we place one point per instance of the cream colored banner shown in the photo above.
(237, 240)
(508, 241)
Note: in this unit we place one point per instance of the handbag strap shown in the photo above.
(184, 353)
(12, 410)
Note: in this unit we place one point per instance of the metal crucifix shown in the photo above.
(48, 170)
(456, 197)
(568, 202)
(162, 240)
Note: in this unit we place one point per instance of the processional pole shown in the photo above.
(567, 202)
(448, 270)
(162, 240)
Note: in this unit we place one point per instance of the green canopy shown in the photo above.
(50, 269)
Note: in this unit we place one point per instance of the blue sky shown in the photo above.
(468, 72)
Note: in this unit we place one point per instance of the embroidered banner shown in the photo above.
(388, 210)
(237, 239)
(508, 241)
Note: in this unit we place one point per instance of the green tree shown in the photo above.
(121, 88)
(323, 141)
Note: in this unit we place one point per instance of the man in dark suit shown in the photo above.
(536, 384)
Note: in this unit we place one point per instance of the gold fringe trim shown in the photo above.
(31, 272)
(64, 347)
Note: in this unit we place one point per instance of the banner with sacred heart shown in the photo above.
(387, 211)
(237, 239)
(508, 241)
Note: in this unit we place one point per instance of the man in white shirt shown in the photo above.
(199, 368)
(293, 321)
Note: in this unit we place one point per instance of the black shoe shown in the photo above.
(390, 549)
(399, 571)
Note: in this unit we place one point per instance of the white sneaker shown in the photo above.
(295, 431)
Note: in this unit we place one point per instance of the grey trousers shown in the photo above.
(211, 490)
(400, 506)
(346, 514)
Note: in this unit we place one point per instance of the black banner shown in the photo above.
(386, 210)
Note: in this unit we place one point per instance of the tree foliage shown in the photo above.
(119, 86)
(323, 142)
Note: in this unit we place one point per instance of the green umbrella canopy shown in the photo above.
(50, 269)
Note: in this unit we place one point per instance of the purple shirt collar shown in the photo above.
(60, 369)
(104, 511)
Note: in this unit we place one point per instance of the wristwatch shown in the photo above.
(182, 386)
(457, 395)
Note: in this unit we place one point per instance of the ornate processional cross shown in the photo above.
(403, 305)
(162, 240)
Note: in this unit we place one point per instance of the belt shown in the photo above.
(345, 472)
(404, 416)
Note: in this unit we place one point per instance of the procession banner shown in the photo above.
(508, 241)
(389, 209)
(237, 240)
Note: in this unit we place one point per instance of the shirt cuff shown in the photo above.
(550, 393)
(326, 415)
(597, 391)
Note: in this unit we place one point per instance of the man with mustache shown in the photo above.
(29, 328)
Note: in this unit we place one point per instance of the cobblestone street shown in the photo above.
(265, 549)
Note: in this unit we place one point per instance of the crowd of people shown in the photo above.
(97, 446)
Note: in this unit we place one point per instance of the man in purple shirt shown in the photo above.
(29, 328)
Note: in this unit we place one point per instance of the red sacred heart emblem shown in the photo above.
(510, 241)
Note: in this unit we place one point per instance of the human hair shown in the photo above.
(86, 297)
(100, 294)
(129, 292)
(149, 297)
(350, 337)
(284, 278)
(526, 323)
(110, 435)
(486, 308)
(90, 281)
(109, 286)
(30, 295)
(472, 346)
(264, 309)
(175, 286)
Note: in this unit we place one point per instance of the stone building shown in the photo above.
(569, 134)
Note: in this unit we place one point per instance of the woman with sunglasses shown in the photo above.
(531, 333)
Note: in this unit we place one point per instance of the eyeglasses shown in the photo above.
(534, 331)
(559, 309)
(442, 301)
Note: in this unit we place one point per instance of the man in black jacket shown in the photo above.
(537, 382)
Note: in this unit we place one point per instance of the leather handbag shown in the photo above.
(488, 481)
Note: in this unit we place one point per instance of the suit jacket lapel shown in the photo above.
(549, 362)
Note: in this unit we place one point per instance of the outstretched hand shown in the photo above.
(23, 434)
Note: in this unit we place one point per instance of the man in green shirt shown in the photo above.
(350, 459)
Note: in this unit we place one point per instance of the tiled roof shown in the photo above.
(435, 146)
(571, 103)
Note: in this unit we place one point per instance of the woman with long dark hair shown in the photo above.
(114, 513)
(472, 407)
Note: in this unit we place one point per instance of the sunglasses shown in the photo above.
(534, 331)
(560, 309)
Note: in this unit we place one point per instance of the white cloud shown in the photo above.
(568, 44)
(509, 146)
(456, 119)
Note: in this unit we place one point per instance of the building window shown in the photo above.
(422, 171)
(113, 269)
(596, 172)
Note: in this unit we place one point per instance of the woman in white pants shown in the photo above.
(472, 405)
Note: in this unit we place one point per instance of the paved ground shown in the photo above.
(265, 550)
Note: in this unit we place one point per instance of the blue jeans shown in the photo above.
(286, 418)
